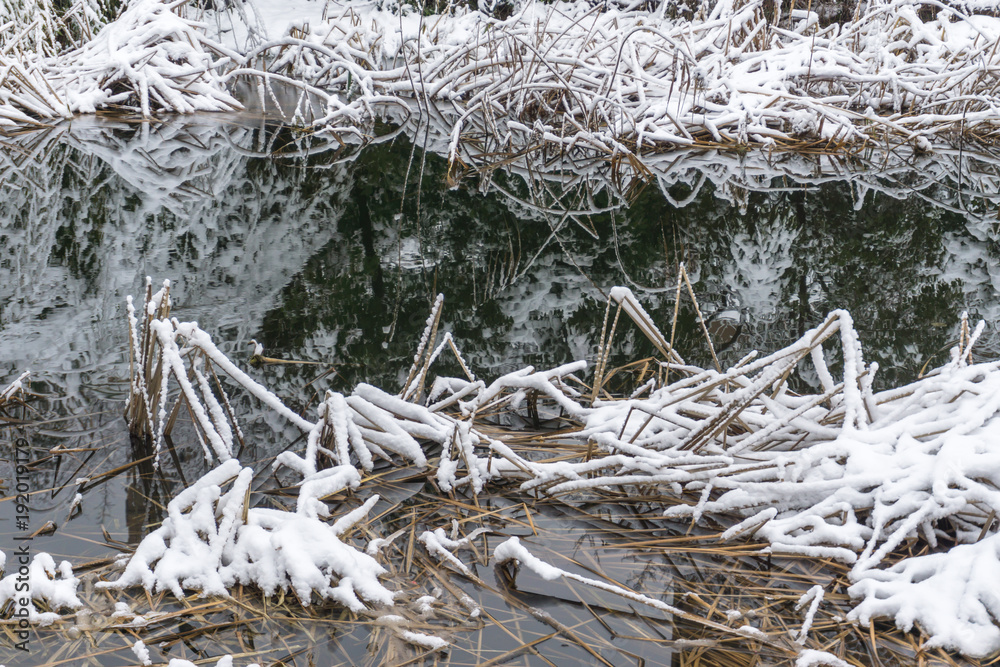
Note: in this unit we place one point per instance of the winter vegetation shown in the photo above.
(898, 485)
(794, 453)
(610, 79)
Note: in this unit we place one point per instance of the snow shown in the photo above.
(149, 57)
(224, 661)
(279, 17)
(55, 586)
(756, 81)
(950, 594)
(424, 604)
(206, 544)
(813, 658)
(424, 640)
(751, 632)
(141, 652)
(398, 625)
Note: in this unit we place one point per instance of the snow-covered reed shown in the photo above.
(837, 472)
(569, 75)
(13, 394)
(578, 76)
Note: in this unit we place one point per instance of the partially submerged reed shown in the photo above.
(841, 475)
(13, 397)
(155, 358)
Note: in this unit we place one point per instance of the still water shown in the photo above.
(330, 253)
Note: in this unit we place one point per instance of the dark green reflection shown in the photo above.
(525, 286)
(334, 254)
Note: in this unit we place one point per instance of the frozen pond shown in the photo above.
(332, 254)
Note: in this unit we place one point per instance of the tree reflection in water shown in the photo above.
(331, 253)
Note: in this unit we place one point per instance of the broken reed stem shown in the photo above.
(422, 358)
(603, 353)
(701, 319)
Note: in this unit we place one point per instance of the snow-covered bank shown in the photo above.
(149, 60)
(846, 473)
(579, 77)
(567, 74)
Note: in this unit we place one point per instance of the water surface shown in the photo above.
(333, 254)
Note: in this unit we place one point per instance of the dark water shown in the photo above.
(333, 254)
(336, 256)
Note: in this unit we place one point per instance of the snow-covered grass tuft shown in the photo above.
(46, 584)
(212, 540)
